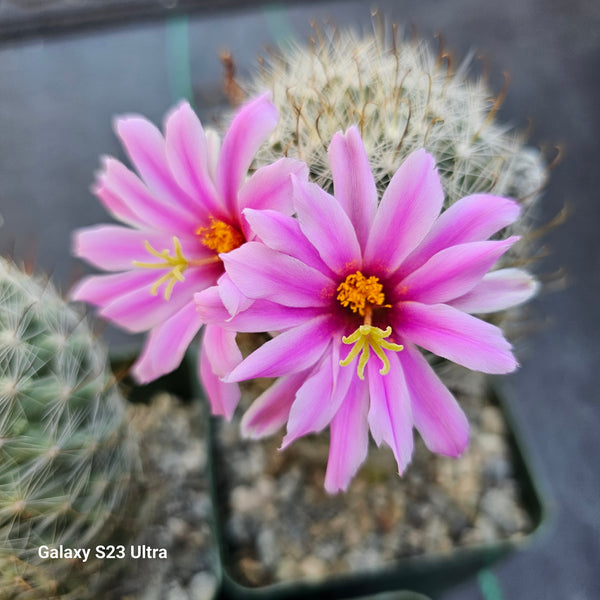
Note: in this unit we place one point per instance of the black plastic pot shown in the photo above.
(425, 574)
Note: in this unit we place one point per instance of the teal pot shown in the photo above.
(428, 573)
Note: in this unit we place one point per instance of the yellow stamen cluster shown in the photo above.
(362, 294)
(365, 338)
(359, 292)
(220, 236)
(176, 264)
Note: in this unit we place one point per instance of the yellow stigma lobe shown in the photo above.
(365, 338)
(220, 236)
(176, 264)
(360, 293)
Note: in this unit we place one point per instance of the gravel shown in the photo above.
(175, 510)
(280, 524)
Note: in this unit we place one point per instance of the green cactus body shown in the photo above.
(66, 458)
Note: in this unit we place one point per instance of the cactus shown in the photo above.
(65, 457)
(403, 97)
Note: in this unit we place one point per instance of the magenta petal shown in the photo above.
(269, 412)
(291, 351)
(187, 156)
(139, 310)
(100, 290)
(270, 187)
(436, 414)
(390, 417)
(222, 397)
(249, 129)
(260, 272)
(327, 227)
(146, 149)
(312, 410)
(210, 306)
(231, 297)
(353, 183)
(116, 206)
(221, 350)
(453, 271)
(118, 181)
(457, 336)
(410, 205)
(349, 438)
(114, 248)
(319, 398)
(498, 290)
(472, 219)
(263, 315)
(166, 345)
(282, 232)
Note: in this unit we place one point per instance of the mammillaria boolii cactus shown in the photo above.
(66, 460)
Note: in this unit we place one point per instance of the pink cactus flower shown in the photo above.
(182, 214)
(354, 288)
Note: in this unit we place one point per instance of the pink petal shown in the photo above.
(100, 290)
(145, 146)
(116, 206)
(319, 397)
(260, 272)
(231, 297)
(327, 227)
(353, 183)
(187, 156)
(221, 350)
(222, 397)
(453, 271)
(270, 187)
(166, 345)
(410, 205)
(281, 232)
(263, 315)
(139, 310)
(114, 248)
(210, 306)
(436, 414)
(291, 351)
(269, 412)
(349, 439)
(390, 417)
(249, 129)
(471, 219)
(455, 335)
(498, 290)
(118, 181)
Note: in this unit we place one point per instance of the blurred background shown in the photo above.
(68, 66)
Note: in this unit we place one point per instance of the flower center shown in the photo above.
(361, 294)
(220, 236)
(176, 264)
